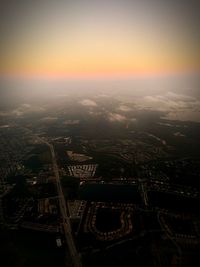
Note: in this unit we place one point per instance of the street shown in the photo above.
(76, 261)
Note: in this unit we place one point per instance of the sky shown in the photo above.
(107, 38)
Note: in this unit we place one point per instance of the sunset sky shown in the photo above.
(89, 38)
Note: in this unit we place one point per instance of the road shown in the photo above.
(179, 256)
(143, 192)
(75, 257)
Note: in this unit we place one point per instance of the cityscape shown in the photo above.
(99, 133)
(125, 192)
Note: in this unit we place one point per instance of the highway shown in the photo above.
(143, 192)
(75, 257)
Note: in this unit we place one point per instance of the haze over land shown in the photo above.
(146, 52)
(175, 98)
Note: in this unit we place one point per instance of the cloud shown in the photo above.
(95, 113)
(4, 114)
(171, 100)
(124, 108)
(102, 95)
(48, 119)
(180, 97)
(176, 106)
(133, 120)
(26, 108)
(116, 117)
(88, 103)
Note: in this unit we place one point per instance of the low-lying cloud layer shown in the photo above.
(27, 108)
(116, 117)
(124, 108)
(88, 103)
(176, 106)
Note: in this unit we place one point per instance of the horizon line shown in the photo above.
(100, 76)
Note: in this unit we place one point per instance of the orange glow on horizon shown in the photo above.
(97, 39)
(109, 74)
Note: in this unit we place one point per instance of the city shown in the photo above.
(99, 133)
(95, 194)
